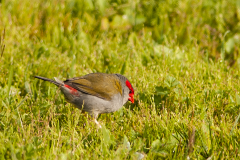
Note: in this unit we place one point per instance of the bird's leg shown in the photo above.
(95, 120)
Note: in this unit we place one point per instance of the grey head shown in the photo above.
(127, 89)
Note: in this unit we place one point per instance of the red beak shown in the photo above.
(130, 98)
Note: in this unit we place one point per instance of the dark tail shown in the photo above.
(49, 80)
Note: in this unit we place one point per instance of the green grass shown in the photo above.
(182, 58)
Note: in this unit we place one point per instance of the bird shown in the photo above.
(96, 93)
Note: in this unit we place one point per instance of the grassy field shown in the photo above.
(182, 58)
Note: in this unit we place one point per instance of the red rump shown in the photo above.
(73, 91)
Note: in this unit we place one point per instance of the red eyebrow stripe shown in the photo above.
(128, 84)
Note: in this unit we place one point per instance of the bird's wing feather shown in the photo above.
(97, 84)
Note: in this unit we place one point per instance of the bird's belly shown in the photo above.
(93, 104)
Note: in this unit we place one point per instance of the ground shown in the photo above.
(182, 58)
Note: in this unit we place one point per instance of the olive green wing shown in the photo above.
(97, 84)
